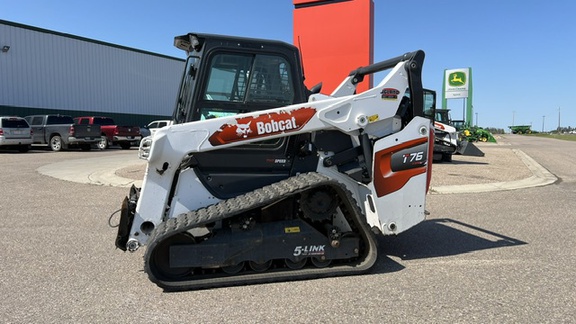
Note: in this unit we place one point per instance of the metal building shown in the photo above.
(43, 71)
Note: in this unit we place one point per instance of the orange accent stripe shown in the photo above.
(430, 159)
(387, 181)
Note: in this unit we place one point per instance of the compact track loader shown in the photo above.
(260, 179)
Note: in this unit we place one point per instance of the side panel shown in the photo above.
(190, 194)
(400, 177)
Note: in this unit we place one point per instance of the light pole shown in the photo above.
(558, 120)
(476, 119)
(543, 118)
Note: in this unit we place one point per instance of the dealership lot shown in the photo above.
(501, 256)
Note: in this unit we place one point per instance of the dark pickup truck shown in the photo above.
(112, 134)
(59, 132)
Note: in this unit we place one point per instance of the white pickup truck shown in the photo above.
(151, 128)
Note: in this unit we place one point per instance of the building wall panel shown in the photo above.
(49, 70)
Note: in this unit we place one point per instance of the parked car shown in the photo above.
(151, 128)
(15, 133)
(59, 132)
(111, 134)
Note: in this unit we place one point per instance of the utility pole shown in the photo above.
(476, 119)
(558, 120)
(513, 113)
(543, 118)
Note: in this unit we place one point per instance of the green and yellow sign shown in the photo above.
(457, 79)
(456, 83)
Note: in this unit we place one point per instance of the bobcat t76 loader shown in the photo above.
(260, 179)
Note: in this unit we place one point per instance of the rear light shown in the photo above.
(71, 131)
(1, 131)
(116, 131)
(31, 132)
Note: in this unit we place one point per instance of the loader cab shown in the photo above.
(226, 76)
(429, 105)
(230, 75)
(443, 116)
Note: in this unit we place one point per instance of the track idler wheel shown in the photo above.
(160, 260)
(319, 263)
(295, 265)
(233, 269)
(260, 267)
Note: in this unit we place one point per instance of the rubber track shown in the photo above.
(259, 198)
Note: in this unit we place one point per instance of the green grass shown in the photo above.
(565, 137)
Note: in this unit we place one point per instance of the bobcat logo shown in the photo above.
(242, 130)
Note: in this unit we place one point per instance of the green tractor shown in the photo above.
(477, 134)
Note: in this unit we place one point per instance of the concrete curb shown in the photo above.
(97, 171)
(102, 171)
(540, 177)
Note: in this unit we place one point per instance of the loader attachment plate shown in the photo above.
(126, 218)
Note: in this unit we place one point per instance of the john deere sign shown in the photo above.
(457, 79)
(456, 83)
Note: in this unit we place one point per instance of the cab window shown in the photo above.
(249, 78)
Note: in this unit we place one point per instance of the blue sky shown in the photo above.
(522, 53)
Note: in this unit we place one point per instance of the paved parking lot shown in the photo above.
(499, 256)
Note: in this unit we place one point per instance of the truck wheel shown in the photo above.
(125, 146)
(56, 143)
(103, 144)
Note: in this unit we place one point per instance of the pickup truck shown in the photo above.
(151, 128)
(59, 132)
(112, 134)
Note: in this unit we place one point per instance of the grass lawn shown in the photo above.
(566, 137)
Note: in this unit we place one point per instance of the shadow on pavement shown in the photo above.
(437, 238)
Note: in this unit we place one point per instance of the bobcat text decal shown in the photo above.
(261, 126)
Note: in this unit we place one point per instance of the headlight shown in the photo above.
(144, 150)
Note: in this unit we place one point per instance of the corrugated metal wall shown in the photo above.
(49, 70)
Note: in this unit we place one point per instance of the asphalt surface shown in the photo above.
(502, 256)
